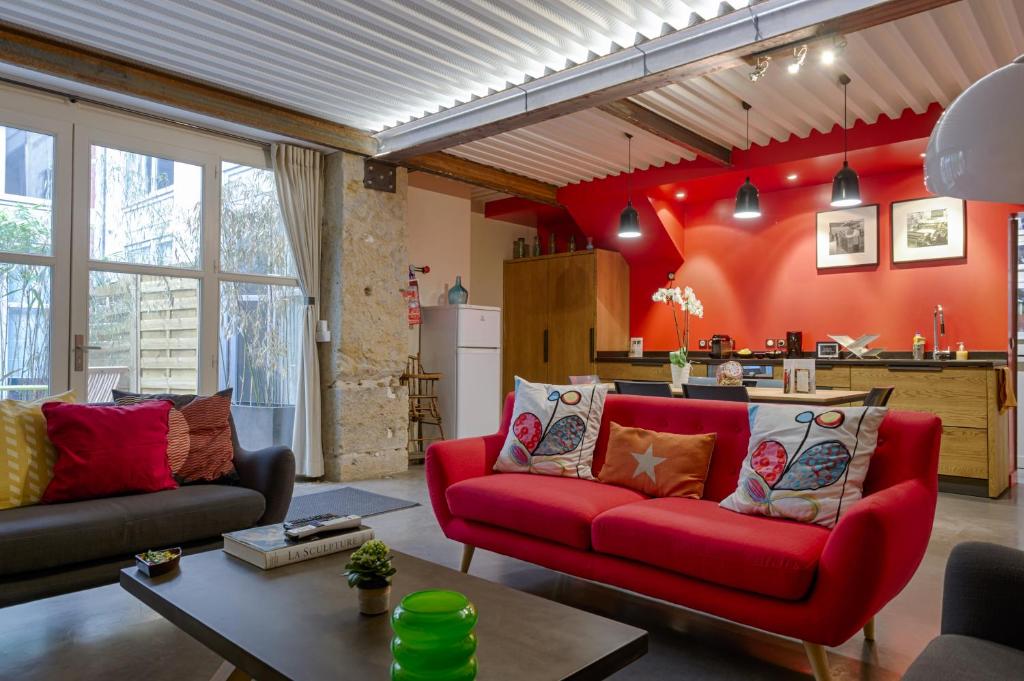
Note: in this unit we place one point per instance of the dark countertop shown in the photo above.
(986, 360)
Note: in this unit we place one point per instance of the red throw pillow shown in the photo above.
(103, 451)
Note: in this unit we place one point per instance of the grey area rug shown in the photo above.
(345, 501)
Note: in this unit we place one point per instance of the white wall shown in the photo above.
(444, 233)
(439, 236)
(490, 245)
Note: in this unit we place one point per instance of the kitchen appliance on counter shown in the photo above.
(722, 346)
(794, 343)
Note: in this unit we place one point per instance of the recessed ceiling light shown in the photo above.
(828, 57)
(791, 176)
(680, 195)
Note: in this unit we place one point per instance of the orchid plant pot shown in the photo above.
(681, 374)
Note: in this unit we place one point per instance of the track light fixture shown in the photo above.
(760, 68)
(799, 57)
(629, 219)
(829, 54)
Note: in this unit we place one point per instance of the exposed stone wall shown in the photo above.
(363, 269)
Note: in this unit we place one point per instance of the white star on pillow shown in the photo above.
(646, 462)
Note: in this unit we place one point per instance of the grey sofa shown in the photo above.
(47, 550)
(982, 609)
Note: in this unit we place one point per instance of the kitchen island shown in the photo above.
(975, 457)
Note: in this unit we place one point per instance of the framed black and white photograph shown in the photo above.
(848, 237)
(827, 350)
(929, 229)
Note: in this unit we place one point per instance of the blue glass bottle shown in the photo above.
(457, 295)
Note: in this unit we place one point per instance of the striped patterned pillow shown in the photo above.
(200, 445)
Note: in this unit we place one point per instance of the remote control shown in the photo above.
(319, 524)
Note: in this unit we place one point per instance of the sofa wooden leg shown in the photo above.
(869, 630)
(818, 657)
(467, 557)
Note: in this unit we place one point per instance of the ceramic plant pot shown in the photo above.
(681, 374)
(374, 601)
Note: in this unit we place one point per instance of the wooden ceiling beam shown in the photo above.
(458, 168)
(656, 124)
(92, 67)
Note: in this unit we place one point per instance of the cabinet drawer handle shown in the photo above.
(545, 346)
(593, 342)
(826, 366)
(912, 368)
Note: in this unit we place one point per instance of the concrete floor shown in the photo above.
(106, 634)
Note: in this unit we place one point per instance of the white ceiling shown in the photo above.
(368, 65)
(910, 63)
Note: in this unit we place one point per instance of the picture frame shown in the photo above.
(928, 229)
(847, 237)
(826, 350)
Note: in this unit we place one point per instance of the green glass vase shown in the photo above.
(434, 638)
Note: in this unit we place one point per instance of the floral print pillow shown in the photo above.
(805, 464)
(554, 429)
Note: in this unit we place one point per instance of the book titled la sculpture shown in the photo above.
(267, 547)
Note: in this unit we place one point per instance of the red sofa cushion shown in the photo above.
(103, 451)
(552, 508)
(699, 539)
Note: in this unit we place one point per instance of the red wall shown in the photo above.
(758, 279)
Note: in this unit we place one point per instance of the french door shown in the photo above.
(140, 267)
(142, 256)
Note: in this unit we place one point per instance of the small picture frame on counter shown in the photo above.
(826, 350)
(636, 346)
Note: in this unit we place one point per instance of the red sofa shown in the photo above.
(793, 579)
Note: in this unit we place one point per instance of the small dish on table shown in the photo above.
(156, 563)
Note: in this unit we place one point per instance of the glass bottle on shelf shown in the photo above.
(572, 243)
(536, 245)
(551, 244)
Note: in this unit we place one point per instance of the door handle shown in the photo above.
(80, 349)
(545, 346)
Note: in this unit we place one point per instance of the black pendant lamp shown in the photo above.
(846, 184)
(629, 219)
(748, 205)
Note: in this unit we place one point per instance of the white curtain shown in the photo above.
(300, 189)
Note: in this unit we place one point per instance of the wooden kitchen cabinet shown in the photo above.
(975, 435)
(559, 311)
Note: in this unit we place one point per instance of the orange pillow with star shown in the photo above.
(657, 464)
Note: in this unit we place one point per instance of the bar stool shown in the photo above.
(423, 406)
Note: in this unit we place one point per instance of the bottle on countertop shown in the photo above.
(918, 345)
(961, 353)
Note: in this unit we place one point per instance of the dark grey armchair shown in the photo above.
(982, 609)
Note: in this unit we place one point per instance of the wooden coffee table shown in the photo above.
(301, 622)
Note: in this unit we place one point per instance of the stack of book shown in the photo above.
(267, 547)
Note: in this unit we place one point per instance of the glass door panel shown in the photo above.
(143, 254)
(27, 262)
(259, 357)
(144, 334)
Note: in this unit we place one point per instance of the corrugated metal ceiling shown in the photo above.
(910, 63)
(368, 65)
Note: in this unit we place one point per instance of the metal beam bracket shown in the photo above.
(379, 175)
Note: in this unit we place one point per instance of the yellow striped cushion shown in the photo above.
(26, 455)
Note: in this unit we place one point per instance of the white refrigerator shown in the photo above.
(463, 342)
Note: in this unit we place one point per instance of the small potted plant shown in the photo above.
(688, 303)
(370, 571)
